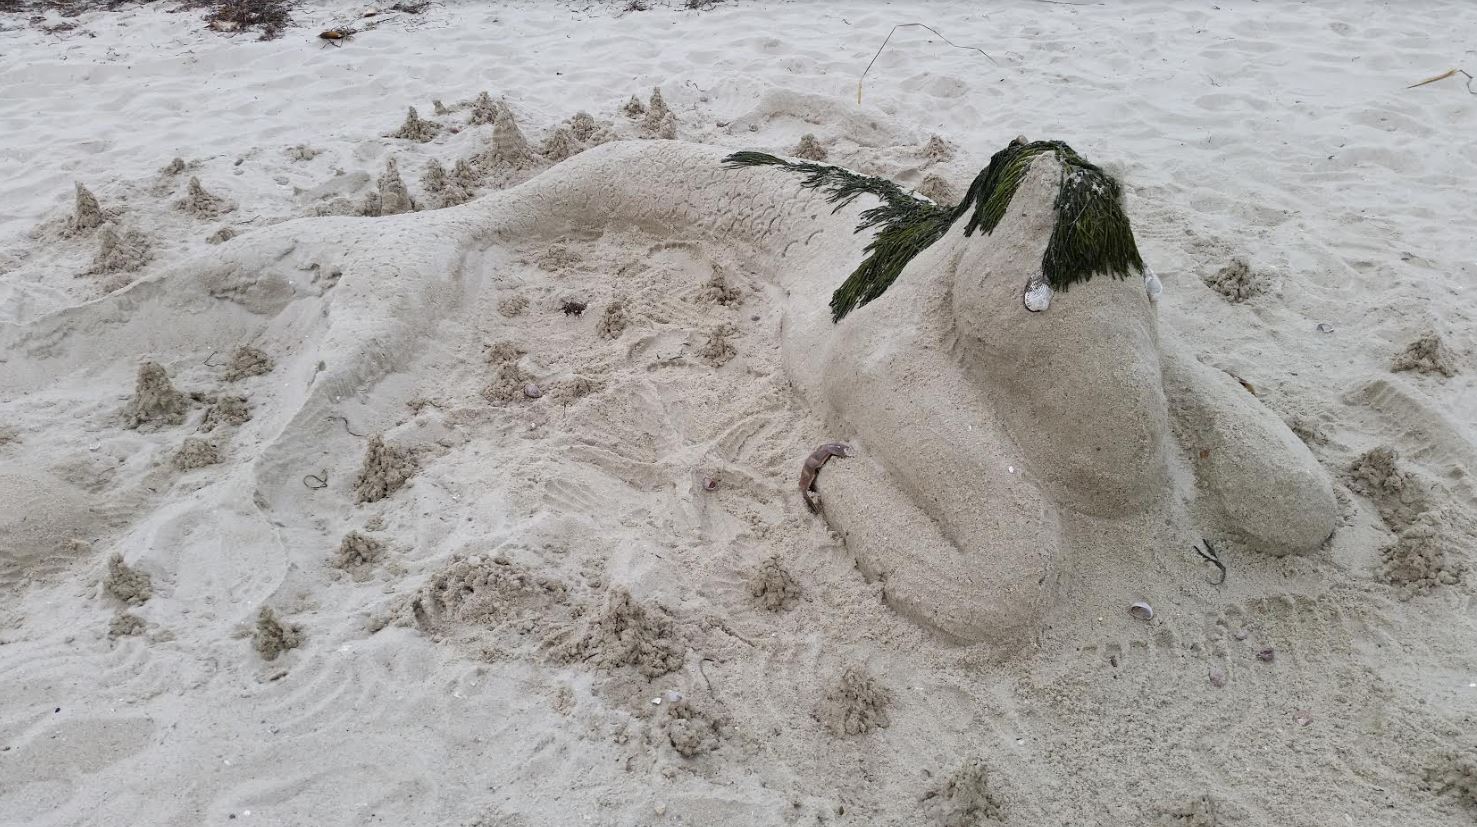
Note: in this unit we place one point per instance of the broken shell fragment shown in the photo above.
(1217, 677)
(1266, 655)
(1141, 611)
(710, 483)
(532, 391)
(1325, 327)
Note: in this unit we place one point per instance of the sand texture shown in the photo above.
(409, 432)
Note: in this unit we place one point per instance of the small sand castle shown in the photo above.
(87, 215)
(202, 204)
(125, 252)
(659, 122)
(416, 129)
(508, 147)
(560, 145)
(485, 110)
(583, 127)
(394, 198)
(809, 148)
(155, 400)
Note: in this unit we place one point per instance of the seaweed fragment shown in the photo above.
(1091, 235)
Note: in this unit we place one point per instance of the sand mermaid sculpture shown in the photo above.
(997, 363)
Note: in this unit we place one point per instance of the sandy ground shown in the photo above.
(285, 540)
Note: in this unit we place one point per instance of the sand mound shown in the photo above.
(772, 586)
(508, 147)
(509, 384)
(937, 189)
(1237, 282)
(386, 468)
(247, 361)
(964, 798)
(937, 150)
(512, 306)
(485, 110)
(87, 215)
(125, 252)
(855, 704)
(718, 291)
(718, 349)
(503, 352)
(560, 145)
(196, 453)
(809, 148)
(613, 320)
(659, 121)
(1398, 495)
(126, 584)
(626, 633)
(1418, 560)
(450, 190)
(124, 624)
(416, 129)
(272, 636)
(357, 554)
(155, 400)
(391, 196)
(1428, 355)
(482, 593)
(691, 730)
(226, 410)
(202, 204)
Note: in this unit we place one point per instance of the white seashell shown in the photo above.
(1153, 285)
(1038, 296)
(1141, 611)
(1325, 327)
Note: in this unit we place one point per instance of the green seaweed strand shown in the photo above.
(1091, 235)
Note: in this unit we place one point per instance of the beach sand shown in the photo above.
(364, 466)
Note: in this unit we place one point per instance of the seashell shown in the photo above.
(532, 391)
(1217, 677)
(1324, 327)
(710, 483)
(1141, 611)
(1266, 655)
(1152, 285)
(1038, 296)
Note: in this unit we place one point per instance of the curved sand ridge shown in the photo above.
(999, 447)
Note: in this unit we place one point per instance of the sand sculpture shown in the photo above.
(1012, 414)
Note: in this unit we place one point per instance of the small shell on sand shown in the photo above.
(1141, 611)
(532, 391)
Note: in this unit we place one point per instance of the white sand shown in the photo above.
(487, 644)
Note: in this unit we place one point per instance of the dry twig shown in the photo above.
(889, 37)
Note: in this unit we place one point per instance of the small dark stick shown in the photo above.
(812, 467)
(1210, 554)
